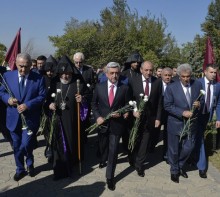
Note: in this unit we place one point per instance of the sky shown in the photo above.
(39, 19)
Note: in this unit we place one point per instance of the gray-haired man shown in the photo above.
(108, 97)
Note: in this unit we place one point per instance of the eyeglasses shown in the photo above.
(78, 62)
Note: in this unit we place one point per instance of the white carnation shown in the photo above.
(53, 95)
(88, 85)
(141, 95)
(202, 92)
(131, 103)
(135, 109)
(58, 90)
(145, 98)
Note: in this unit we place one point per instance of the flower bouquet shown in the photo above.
(134, 131)
(54, 117)
(43, 121)
(189, 122)
(23, 120)
(122, 110)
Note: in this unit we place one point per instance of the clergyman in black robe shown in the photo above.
(64, 103)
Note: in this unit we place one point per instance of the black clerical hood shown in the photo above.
(134, 57)
(50, 64)
(65, 65)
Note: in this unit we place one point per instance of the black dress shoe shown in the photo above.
(140, 172)
(202, 174)
(183, 173)
(111, 185)
(175, 178)
(19, 176)
(102, 165)
(30, 170)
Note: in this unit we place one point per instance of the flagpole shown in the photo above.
(3, 63)
(14, 49)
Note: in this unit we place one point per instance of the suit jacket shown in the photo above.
(154, 104)
(215, 102)
(175, 104)
(101, 107)
(130, 74)
(33, 97)
(88, 76)
(164, 114)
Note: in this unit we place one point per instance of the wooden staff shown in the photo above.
(78, 117)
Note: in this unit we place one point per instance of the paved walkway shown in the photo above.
(92, 182)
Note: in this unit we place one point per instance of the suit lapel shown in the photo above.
(29, 81)
(140, 84)
(182, 93)
(193, 95)
(16, 87)
(116, 94)
(105, 92)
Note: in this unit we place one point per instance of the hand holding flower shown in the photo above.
(115, 115)
(12, 101)
(157, 123)
(136, 114)
(217, 124)
(125, 115)
(100, 120)
(196, 104)
(52, 106)
(187, 114)
(21, 108)
(191, 116)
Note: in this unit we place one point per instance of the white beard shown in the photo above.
(63, 81)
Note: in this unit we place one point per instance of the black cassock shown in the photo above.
(65, 134)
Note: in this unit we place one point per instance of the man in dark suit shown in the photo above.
(131, 70)
(89, 78)
(180, 97)
(212, 103)
(166, 76)
(108, 97)
(24, 94)
(86, 71)
(148, 85)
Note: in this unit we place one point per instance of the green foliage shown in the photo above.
(193, 53)
(211, 27)
(116, 35)
(3, 50)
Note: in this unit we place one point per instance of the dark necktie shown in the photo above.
(146, 91)
(188, 97)
(21, 85)
(207, 103)
(111, 95)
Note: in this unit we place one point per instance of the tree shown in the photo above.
(211, 27)
(3, 50)
(116, 35)
(193, 53)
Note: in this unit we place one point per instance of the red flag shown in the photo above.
(209, 55)
(14, 49)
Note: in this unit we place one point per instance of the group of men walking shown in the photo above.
(70, 96)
